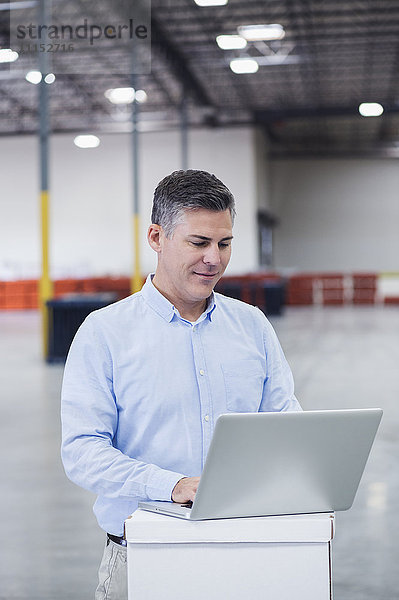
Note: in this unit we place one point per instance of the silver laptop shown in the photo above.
(262, 464)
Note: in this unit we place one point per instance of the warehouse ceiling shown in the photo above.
(305, 93)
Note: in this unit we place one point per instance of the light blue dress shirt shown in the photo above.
(143, 388)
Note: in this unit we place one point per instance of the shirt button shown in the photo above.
(206, 418)
(202, 372)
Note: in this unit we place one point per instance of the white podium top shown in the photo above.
(145, 527)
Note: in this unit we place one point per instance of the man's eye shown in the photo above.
(224, 244)
(198, 243)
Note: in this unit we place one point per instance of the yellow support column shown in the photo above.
(45, 285)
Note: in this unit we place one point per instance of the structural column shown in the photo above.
(136, 282)
(45, 287)
(184, 131)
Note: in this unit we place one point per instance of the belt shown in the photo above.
(116, 539)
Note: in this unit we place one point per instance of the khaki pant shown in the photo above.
(112, 574)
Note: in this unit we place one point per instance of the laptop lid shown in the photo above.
(262, 464)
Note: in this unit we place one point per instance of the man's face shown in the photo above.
(193, 260)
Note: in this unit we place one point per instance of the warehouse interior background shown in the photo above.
(284, 123)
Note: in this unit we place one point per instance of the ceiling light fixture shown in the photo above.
(231, 42)
(211, 2)
(120, 95)
(244, 65)
(86, 141)
(50, 78)
(257, 33)
(17, 5)
(141, 96)
(371, 109)
(34, 77)
(7, 55)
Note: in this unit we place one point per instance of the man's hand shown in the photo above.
(185, 490)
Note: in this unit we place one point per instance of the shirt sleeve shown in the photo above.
(89, 416)
(278, 389)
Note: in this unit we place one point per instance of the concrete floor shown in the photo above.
(51, 545)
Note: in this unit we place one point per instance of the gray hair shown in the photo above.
(188, 190)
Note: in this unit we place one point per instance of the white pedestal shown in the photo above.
(275, 558)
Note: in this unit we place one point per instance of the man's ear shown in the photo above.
(154, 237)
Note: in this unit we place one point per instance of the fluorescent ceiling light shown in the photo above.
(120, 95)
(257, 33)
(231, 42)
(34, 77)
(211, 2)
(86, 141)
(278, 59)
(370, 109)
(7, 55)
(244, 65)
(50, 78)
(141, 96)
(17, 5)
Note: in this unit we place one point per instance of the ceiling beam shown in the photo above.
(270, 116)
(178, 64)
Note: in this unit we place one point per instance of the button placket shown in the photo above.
(203, 390)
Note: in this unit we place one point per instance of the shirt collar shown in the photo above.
(165, 308)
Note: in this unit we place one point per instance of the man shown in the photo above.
(147, 377)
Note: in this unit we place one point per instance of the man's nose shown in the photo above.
(212, 255)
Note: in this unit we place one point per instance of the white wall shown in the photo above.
(262, 167)
(336, 214)
(19, 218)
(91, 230)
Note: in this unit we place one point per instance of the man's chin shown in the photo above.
(203, 289)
